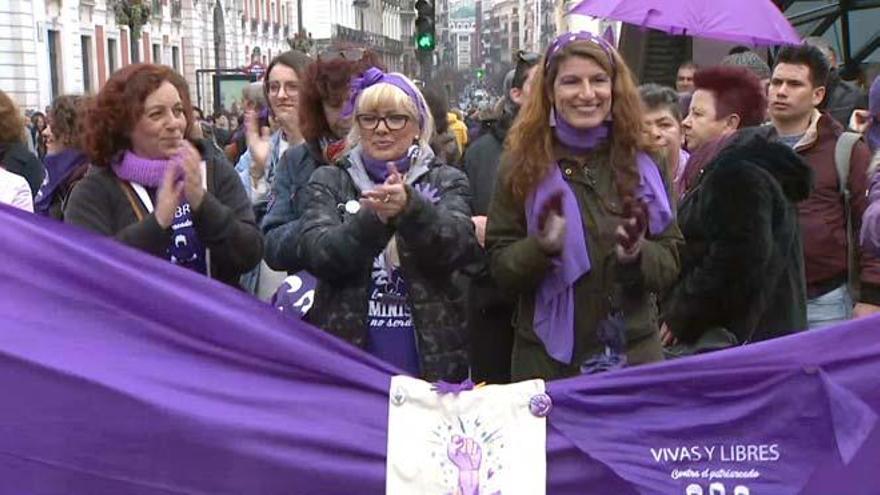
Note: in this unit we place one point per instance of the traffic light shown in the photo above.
(426, 36)
(481, 73)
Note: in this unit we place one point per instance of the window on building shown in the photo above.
(86, 51)
(157, 53)
(175, 58)
(112, 63)
(54, 45)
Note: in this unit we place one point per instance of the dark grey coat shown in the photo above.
(434, 241)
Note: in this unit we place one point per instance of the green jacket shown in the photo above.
(519, 265)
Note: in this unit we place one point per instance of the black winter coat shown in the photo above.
(743, 263)
(281, 225)
(434, 240)
(224, 222)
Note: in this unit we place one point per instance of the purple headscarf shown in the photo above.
(566, 39)
(873, 133)
(373, 76)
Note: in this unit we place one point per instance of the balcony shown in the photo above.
(286, 32)
(407, 8)
(176, 9)
(378, 42)
(156, 9)
(253, 26)
(265, 27)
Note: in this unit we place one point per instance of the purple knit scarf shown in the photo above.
(140, 170)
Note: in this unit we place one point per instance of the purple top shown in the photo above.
(870, 234)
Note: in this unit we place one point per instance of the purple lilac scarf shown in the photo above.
(143, 171)
(555, 300)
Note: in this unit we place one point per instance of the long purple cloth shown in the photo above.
(198, 389)
(554, 301)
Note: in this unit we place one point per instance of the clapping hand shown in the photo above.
(389, 199)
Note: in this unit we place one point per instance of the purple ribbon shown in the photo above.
(566, 39)
(444, 388)
(373, 76)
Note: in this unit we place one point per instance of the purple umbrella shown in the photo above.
(754, 22)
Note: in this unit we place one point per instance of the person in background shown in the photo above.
(742, 263)
(38, 125)
(152, 189)
(14, 154)
(684, 78)
(752, 61)
(65, 161)
(325, 90)
(385, 229)
(458, 128)
(797, 89)
(662, 128)
(443, 141)
(254, 99)
(490, 310)
(257, 165)
(580, 225)
(867, 122)
(841, 97)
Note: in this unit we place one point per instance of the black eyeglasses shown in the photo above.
(394, 122)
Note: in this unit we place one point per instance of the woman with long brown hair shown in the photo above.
(580, 226)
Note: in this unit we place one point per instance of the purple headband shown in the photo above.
(566, 39)
(373, 76)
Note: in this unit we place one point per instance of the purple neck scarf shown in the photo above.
(578, 140)
(143, 171)
(59, 167)
(378, 169)
(373, 76)
(554, 301)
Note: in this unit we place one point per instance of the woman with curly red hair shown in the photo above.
(150, 188)
(580, 225)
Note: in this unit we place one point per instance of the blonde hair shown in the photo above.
(529, 146)
(385, 94)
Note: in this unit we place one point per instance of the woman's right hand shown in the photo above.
(551, 226)
(258, 143)
(168, 196)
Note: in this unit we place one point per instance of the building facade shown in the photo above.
(462, 37)
(54, 47)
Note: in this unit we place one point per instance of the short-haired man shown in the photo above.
(797, 88)
(684, 78)
(489, 311)
(742, 265)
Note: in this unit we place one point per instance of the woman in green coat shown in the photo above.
(580, 226)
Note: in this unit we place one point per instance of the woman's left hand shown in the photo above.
(390, 199)
(191, 163)
(631, 232)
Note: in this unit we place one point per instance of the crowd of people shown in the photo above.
(585, 224)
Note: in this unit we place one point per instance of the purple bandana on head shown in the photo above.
(566, 39)
(373, 76)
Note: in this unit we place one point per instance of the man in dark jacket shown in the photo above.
(742, 267)
(796, 90)
(490, 311)
(841, 97)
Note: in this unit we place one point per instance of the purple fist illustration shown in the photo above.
(466, 454)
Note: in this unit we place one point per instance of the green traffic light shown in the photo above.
(425, 42)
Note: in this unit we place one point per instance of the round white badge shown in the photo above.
(352, 207)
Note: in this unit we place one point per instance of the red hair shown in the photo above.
(327, 82)
(737, 90)
(113, 113)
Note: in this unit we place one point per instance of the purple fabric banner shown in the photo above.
(122, 373)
